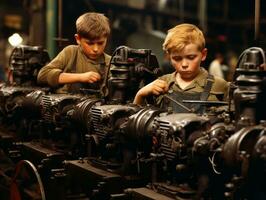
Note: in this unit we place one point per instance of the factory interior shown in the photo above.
(100, 143)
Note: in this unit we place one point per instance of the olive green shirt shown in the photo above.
(219, 90)
(65, 61)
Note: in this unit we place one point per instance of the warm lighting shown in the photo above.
(15, 39)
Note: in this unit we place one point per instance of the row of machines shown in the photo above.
(78, 146)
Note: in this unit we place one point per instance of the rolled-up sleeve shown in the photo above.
(49, 74)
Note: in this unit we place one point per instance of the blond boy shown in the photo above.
(185, 44)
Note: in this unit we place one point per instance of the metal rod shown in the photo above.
(178, 103)
(181, 10)
(51, 12)
(257, 19)
(60, 21)
(202, 14)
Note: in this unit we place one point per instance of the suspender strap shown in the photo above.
(207, 88)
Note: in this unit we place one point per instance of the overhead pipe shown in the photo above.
(51, 26)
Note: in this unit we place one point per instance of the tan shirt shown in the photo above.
(65, 61)
(219, 90)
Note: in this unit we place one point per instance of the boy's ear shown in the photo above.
(77, 37)
(204, 53)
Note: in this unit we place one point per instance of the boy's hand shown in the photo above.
(90, 77)
(156, 87)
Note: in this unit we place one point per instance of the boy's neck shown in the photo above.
(182, 82)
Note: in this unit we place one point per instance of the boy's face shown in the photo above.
(93, 49)
(187, 62)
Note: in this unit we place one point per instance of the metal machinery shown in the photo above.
(24, 63)
(88, 148)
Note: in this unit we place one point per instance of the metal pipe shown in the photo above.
(257, 19)
(202, 15)
(181, 10)
(51, 21)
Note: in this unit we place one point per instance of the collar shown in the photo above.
(172, 78)
(200, 79)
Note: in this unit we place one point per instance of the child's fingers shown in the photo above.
(162, 84)
(158, 90)
(95, 75)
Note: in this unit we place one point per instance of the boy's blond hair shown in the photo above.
(181, 35)
(93, 25)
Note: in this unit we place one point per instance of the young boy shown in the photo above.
(185, 44)
(82, 65)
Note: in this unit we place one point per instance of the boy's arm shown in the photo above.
(139, 98)
(49, 74)
(58, 70)
(87, 77)
(156, 87)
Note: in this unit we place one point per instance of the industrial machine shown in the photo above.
(79, 147)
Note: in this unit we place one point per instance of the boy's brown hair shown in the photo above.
(181, 35)
(93, 25)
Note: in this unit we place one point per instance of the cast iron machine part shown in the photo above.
(110, 165)
(54, 136)
(244, 159)
(129, 70)
(249, 95)
(52, 125)
(243, 153)
(25, 62)
(172, 136)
